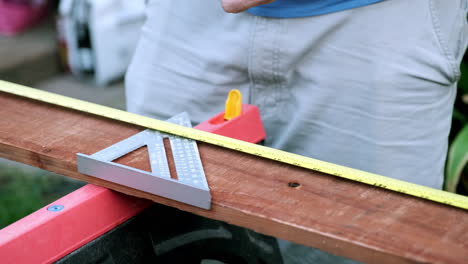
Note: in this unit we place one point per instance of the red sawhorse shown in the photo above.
(66, 225)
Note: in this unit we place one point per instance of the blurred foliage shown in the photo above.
(457, 160)
(456, 169)
(25, 191)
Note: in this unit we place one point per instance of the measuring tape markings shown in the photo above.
(242, 146)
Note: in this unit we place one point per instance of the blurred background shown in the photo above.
(78, 48)
(81, 48)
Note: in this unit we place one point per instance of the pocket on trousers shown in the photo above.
(450, 25)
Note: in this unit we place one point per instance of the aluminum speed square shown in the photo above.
(190, 187)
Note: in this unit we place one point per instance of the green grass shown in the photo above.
(25, 191)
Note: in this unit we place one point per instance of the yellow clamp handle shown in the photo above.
(233, 105)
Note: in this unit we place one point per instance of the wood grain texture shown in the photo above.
(339, 216)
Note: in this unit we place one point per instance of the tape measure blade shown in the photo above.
(261, 151)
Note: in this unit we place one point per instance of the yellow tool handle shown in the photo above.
(233, 105)
(257, 150)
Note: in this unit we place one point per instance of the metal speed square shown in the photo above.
(190, 186)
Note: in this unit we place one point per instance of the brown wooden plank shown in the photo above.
(339, 216)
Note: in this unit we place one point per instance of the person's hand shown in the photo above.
(236, 6)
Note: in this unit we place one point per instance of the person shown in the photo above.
(368, 84)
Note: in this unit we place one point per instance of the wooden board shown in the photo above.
(342, 217)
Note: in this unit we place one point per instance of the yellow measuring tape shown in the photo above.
(257, 150)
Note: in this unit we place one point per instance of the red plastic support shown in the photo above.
(74, 220)
(247, 127)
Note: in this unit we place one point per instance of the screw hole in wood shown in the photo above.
(294, 184)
